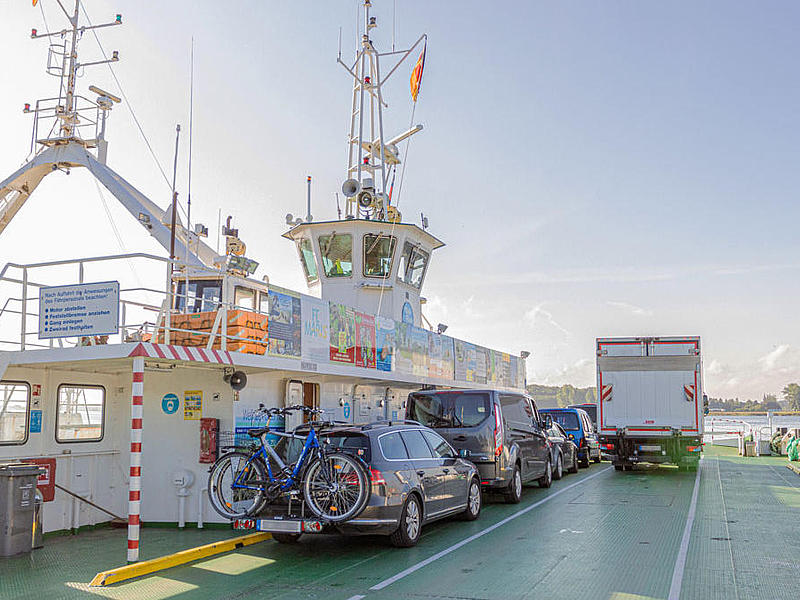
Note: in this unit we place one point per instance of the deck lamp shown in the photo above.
(33, 33)
(118, 19)
(441, 328)
(27, 107)
(524, 354)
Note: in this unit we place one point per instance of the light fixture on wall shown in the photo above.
(441, 328)
(524, 354)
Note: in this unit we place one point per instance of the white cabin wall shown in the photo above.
(94, 470)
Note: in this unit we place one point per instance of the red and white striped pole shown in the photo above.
(135, 484)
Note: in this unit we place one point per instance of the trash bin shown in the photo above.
(38, 503)
(17, 495)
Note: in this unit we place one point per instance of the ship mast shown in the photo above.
(370, 156)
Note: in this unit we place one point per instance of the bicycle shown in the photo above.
(335, 485)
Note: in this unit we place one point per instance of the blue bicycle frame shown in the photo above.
(266, 452)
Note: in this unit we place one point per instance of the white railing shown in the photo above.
(146, 313)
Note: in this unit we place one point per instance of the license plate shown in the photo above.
(280, 526)
(646, 448)
(244, 524)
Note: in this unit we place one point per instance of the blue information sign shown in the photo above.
(36, 421)
(170, 403)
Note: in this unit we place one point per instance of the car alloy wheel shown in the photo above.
(474, 498)
(517, 483)
(559, 472)
(412, 520)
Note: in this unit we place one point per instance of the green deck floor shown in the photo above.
(610, 536)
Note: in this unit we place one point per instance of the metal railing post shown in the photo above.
(24, 315)
(224, 308)
(168, 310)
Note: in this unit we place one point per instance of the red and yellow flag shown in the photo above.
(416, 73)
(35, 1)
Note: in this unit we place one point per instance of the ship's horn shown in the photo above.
(351, 187)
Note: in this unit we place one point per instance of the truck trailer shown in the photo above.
(650, 401)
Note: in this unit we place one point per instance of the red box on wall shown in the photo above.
(47, 478)
(208, 439)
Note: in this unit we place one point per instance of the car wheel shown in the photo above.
(514, 491)
(546, 480)
(574, 467)
(408, 532)
(286, 538)
(558, 472)
(474, 501)
(584, 463)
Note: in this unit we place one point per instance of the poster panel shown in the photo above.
(365, 340)
(284, 325)
(481, 364)
(384, 342)
(192, 405)
(461, 360)
(448, 357)
(404, 353)
(316, 325)
(342, 342)
(419, 351)
(435, 355)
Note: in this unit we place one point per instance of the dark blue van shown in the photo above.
(578, 425)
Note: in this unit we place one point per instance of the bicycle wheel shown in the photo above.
(336, 487)
(237, 503)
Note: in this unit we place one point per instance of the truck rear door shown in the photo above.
(649, 386)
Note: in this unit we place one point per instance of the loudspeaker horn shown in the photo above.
(351, 187)
(237, 380)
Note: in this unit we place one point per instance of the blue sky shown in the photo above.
(596, 168)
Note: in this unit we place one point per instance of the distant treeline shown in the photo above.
(791, 401)
(552, 396)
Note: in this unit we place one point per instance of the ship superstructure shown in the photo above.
(122, 390)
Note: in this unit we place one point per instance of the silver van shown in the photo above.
(502, 433)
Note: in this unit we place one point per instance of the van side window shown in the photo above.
(416, 444)
(515, 410)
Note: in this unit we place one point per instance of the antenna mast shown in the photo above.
(71, 115)
(370, 156)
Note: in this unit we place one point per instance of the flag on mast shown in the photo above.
(35, 1)
(416, 73)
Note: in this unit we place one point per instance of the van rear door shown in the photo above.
(463, 418)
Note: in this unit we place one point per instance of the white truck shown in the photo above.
(650, 401)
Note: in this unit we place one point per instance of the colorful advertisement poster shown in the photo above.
(342, 342)
(247, 415)
(404, 354)
(316, 326)
(284, 325)
(365, 340)
(481, 364)
(384, 342)
(435, 367)
(448, 357)
(461, 360)
(192, 405)
(419, 351)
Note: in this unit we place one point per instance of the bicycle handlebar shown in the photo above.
(288, 409)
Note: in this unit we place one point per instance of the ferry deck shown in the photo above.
(599, 534)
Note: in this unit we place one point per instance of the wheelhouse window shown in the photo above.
(203, 296)
(413, 263)
(337, 254)
(244, 298)
(15, 398)
(80, 413)
(378, 255)
(306, 251)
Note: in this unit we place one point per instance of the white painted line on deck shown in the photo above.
(464, 542)
(356, 597)
(680, 562)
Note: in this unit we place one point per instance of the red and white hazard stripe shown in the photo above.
(185, 353)
(135, 484)
(605, 394)
(688, 391)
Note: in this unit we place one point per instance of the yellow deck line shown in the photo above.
(173, 560)
(794, 468)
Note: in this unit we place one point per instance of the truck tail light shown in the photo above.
(608, 446)
(498, 432)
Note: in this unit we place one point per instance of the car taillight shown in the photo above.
(376, 477)
(498, 432)
(608, 446)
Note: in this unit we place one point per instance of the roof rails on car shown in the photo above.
(389, 423)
